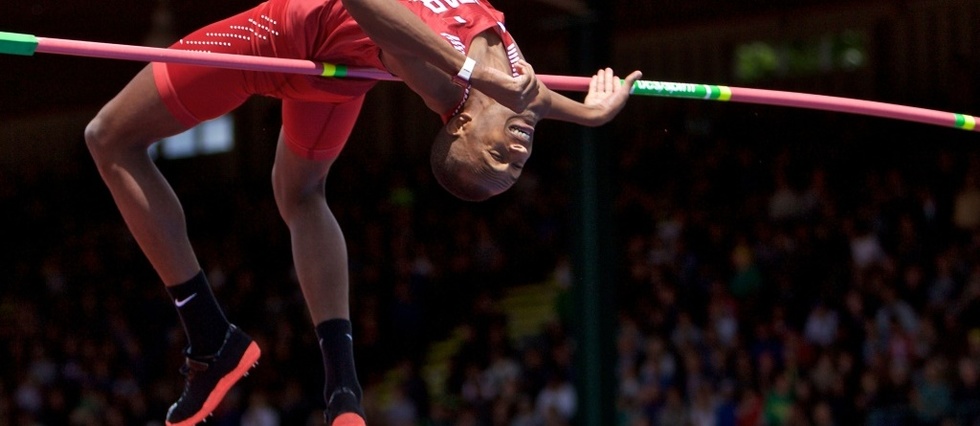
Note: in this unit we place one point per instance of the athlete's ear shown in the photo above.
(458, 124)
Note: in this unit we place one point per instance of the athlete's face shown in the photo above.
(496, 146)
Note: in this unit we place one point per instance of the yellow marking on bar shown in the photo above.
(329, 70)
(726, 93)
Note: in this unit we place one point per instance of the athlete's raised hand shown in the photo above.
(607, 96)
(515, 93)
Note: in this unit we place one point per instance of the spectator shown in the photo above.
(878, 255)
(866, 249)
(778, 404)
(784, 203)
(747, 281)
(259, 412)
(401, 410)
(895, 314)
(821, 326)
(966, 392)
(557, 401)
(823, 415)
(944, 285)
(704, 406)
(674, 411)
(751, 409)
(966, 211)
(932, 399)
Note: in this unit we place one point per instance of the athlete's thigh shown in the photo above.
(167, 98)
(196, 93)
(319, 130)
(312, 137)
(137, 115)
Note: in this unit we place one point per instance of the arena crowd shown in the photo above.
(767, 275)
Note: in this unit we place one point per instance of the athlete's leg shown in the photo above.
(118, 139)
(154, 105)
(160, 101)
(163, 100)
(319, 248)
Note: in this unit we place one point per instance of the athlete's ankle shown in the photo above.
(336, 344)
(201, 316)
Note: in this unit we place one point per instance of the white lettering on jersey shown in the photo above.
(440, 6)
(456, 42)
(514, 55)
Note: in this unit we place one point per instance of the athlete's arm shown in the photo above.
(427, 81)
(401, 33)
(605, 99)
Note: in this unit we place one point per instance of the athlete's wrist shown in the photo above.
(465, 73)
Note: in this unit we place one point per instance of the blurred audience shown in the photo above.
(777, 280)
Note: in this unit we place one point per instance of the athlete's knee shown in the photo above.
(108, 139)
(98, 138)
(295, 205)
(295, 197)
(102, 138)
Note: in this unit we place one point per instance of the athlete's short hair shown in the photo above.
(450, 170)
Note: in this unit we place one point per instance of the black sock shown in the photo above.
(204, 322)
(337, 345)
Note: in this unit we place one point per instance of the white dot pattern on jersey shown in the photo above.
(269, 20)
(263, 33)
(261, 26)
(228, 35)
(206, 43)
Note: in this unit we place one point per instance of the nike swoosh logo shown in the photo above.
(351, 338)
(181, 303)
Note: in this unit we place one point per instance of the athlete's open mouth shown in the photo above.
(524, 133)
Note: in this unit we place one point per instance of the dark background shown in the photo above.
(447, 294)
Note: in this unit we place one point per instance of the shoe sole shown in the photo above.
(249, 358)
(348, 419)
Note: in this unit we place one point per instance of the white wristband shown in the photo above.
(462, 78)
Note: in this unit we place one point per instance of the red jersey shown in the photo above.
(319, 30)
(341, 40)
(459, 21)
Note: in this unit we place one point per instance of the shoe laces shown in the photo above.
(191, 367)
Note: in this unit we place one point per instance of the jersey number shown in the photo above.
(439, 6)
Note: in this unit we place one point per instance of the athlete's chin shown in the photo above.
(499, 190)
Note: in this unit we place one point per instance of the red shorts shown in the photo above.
(318, 113)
